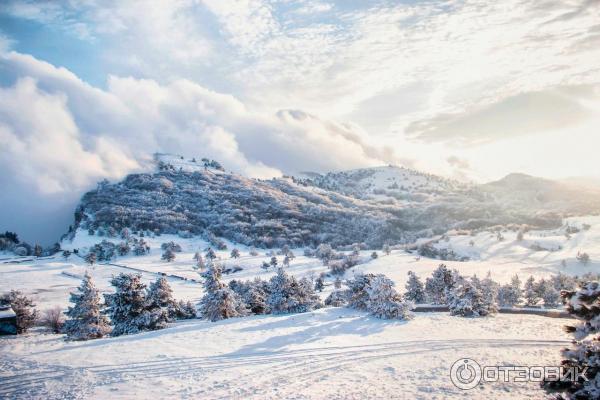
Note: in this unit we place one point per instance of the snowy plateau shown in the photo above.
(323, 353)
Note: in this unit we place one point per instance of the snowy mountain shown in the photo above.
(371, 206)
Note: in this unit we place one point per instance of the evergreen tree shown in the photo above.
(85, 319)
(583, 304)
(510, 295)
(358, 297)
(337, 298)
(550, 295)
(235, 253)
(530, 292)
(374, 255)
(23, 307)
(273, 261)
(414, 289)
(441, 281)
(184, 310)
(141, 248)
(466, 300)
(210, 254)
(160, 304)
(319, 284)
(384, 302)
(219, 301)
(91, 258)
(168, 255)
(288, 295)
(489, 291)
(387, 250)
(127, 306)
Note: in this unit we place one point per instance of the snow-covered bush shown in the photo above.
(384, 302)
(549, 295)
(23, 307)
(127, 306)
(85, 320)
(219, 301)
(174, 247)
(415, 291)
(466, 300)
(441, 281)
(168, 255)
(184, 310)
(358, 297)
(337, 298)
(531, 292)
(583, 304)
(53, 319)
(510, 295)
(288, 295)
(253, 293)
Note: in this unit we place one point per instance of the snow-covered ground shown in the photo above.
(333, 353)
(330, 353)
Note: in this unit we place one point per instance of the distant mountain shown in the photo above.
(521, 190)
(371, 205)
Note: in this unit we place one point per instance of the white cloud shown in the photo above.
(61, 135)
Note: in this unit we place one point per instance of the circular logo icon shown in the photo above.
(465, 373)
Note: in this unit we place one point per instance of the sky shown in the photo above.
(471, 90)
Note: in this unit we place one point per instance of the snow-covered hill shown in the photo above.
(371, 206)
(390, 182)
(328, 353)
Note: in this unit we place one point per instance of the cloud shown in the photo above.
(527, 113)
(60, 135)
(458, 162)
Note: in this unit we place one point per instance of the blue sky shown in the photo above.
(471, 90)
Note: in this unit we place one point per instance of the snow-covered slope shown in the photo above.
(390, 182)
(329, 353)
(332, 353)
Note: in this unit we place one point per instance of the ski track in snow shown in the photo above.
(295, 369)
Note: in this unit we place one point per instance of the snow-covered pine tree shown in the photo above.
(219, 301)
(319, 284)
(414, 289)
(358, 297)
(583, 304)
(489, 291)
(210, 254)
(85, 320)
(530, 292)
(281, 298)
(384, 302)
(510, 295)
(168, 255)
(550, 295)
(160, 304)
(90, 258)
(127, 306)
(466, 300)
(441, 281)
(337, 298)
(23, 307)
(305, 294)
(141, 248)
(184, 310)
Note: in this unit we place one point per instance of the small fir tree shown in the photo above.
(85, 320)
(414, 289)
